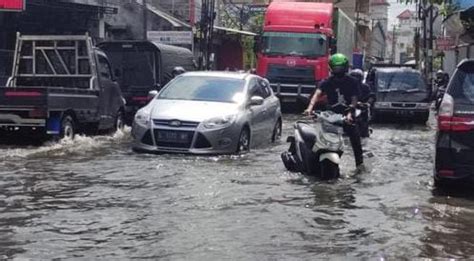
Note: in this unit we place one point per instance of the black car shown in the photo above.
(142, 66)
(400, 92)
(455, 136)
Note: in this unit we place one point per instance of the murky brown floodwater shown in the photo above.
(95, 199)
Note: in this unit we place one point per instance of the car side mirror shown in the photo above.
(152, 94)
(256, 100)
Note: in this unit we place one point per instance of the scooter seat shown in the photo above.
(308, 133)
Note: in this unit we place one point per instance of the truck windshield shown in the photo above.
(136, 68)
(298, 44)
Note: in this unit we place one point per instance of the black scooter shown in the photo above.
(317, 146)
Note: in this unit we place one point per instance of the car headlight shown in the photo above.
(382, 105)
(142, 118)
(220, 122)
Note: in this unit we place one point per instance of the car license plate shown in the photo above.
(403, 113)
(289, 99)
(173, 136)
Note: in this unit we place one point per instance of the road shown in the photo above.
(93, 198)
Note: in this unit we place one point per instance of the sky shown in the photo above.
(395, 9)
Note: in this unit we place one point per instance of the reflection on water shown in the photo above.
(92, 198)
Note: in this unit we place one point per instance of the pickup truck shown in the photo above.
(60, 86)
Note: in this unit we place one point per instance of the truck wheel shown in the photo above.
(119, 122)
(68, 130)
(329, 169)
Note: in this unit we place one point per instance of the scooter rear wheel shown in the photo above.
(329, 169)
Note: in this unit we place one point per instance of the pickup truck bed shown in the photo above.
(42, 107)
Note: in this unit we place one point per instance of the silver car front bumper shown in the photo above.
(198, 140)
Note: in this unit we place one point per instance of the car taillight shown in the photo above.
(448, 122)
(446, 173)
(22, 94)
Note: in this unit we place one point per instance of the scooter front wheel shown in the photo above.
(329, 169)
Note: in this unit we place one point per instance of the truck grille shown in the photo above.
(284, 74)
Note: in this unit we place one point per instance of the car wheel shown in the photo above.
(119, 122)
(68, 130)
(329, 169)
(244, 141)
(276, 135)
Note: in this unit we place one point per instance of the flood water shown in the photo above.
(93, 198)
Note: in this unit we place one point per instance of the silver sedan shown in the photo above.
(209, 113)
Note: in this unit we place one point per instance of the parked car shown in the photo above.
(209, 113)
(142, 66)
(60, 85)
(455, 136)
(400, 92)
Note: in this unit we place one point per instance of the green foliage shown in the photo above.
(249, 55)
(437, 63)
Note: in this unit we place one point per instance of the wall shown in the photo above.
(454, 56)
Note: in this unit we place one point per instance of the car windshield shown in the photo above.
(462, 84)
(137, 68)
(204, 88)
(297, 44)
(400, 81)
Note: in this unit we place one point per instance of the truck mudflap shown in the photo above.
(290, 93)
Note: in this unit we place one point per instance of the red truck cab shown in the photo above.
(295, 47)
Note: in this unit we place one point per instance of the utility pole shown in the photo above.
(145, 20)
(394, 43)
(430, 46)
(356, 37)
(425, 44)
(206, 28)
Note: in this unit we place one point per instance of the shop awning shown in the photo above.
(454, 24)
(171, 19)
(235, 31)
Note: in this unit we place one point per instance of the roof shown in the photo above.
(171, 19)
(397, 70)
(379, 2)
(407, 14)
(464, 4)
(224, 74)
(302, 15)
(230, 30)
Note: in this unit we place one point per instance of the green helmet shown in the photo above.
(339, 63)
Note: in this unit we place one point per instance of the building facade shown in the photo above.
(404, 34)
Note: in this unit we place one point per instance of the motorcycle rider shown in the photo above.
(442, 78)
(441, 81)
(341, 88)
(366, 96)
(177, 71)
